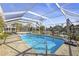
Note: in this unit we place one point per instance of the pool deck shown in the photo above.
(15, 46)
(64, 50)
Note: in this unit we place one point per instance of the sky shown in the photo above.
(50, 11)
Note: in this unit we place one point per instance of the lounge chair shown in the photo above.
(72, 42)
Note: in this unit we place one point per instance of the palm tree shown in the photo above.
(1, 24)
(3, 35)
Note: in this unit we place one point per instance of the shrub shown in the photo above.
(77, 38)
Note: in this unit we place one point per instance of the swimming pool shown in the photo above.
(38, 42)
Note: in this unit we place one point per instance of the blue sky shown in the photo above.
(45, 9)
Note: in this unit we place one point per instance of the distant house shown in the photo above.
(9, 28)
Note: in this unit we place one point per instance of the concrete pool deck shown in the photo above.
(64, 50)
(15, 46)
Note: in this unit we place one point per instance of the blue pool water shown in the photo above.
(38, 42)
